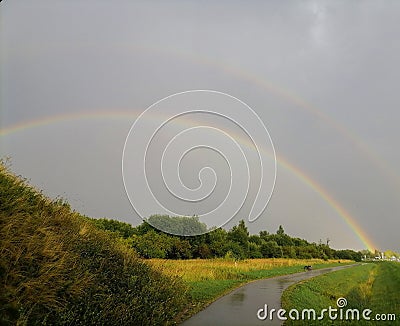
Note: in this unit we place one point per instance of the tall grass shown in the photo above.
(224, 269)
(57, 268)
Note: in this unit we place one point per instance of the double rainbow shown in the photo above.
(283, 162)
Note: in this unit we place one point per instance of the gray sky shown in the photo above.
(323, 77)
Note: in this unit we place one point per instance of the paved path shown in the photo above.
(241, 305)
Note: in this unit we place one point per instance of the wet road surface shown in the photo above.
(241, 305)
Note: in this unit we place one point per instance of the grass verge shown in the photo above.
(373, 286)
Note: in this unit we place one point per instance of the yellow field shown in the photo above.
(217, 269)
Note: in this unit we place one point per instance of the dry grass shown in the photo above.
(221, 269)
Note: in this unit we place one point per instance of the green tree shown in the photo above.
(254, 250)
(217, 240)
(235, 249)
(204, 251)
(280, 231)
(152, 244)
(255, 239)
(123, 229)
(289, 252)
(179, 249)
(240, 235)
(181, 225)
(270, 249)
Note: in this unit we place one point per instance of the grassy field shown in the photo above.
(208, 279)
(374, 286)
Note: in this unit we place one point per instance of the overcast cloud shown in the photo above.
(322, 75)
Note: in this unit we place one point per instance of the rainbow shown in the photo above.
(340, 210)
(283, 162)
(389, 171)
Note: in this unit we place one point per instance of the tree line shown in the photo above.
(236, 243)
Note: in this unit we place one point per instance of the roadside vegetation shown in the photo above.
(57, 268)
(374, 286)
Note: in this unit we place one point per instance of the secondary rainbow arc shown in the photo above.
(283, 162)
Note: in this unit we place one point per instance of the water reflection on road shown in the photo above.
(240, 306)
